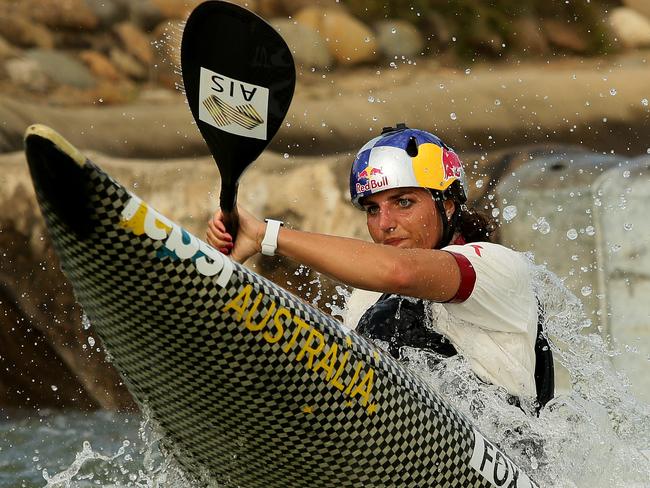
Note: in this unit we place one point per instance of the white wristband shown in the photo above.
(270, 241)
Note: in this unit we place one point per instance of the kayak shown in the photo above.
(247, 384)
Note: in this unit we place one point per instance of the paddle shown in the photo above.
(239, 78)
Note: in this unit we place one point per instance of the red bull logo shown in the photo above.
(452, 165)
(374, 177)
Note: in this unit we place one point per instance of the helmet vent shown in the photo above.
(412, 147)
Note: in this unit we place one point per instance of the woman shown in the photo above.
(443, 287)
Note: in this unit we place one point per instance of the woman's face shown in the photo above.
(403, 217)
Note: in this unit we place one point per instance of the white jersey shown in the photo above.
(492, 321)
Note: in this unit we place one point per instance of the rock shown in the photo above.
(109, 12)
(293, 6)
(62, 68)
(398, 38)
(61, 14)
(349, 41)
(641, 6)
(7, 50)
(20, 31)
(99, 65)
(135, 42)
(271, 9)
(527, 36)
(28, 74)
(564, 35)
(145, 14)
(631, 28)
(308, 47)
(127, 64)
(247, 4)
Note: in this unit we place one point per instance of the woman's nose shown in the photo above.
(386, 220)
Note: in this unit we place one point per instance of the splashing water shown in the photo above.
(597, 435)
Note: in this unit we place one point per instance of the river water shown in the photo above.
(597, 435)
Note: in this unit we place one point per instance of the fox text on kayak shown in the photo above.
(232, 105)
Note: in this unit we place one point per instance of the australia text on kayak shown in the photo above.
(287, 329)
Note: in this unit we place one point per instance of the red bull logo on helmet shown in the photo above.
(375, 179)
(452, 165)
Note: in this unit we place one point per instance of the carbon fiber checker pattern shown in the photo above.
(237, 408)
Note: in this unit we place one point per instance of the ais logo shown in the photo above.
(232, 105)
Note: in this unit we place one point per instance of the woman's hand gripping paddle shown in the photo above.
(239, 78)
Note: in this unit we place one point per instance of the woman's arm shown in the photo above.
(422, 273)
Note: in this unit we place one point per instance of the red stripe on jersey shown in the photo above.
(467, 278)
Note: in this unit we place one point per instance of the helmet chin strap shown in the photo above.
(448, 224)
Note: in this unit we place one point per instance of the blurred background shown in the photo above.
(546, 103)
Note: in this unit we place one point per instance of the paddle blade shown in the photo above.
(239, 79)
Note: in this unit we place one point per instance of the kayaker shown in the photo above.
(439, 283)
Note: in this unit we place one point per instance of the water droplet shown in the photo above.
(468, 71)
(572, 234)
(615, 248)
(393, 65)
(586, 291)
(574, 257)
(509, 213)
(590, 230)
(367, 39)
(453, 116)
(542, 226)
(286, 155)
(628, 226)
(479, 183)
(54, 387)
(91, 341)
(612, 92)
(371, 99)
(495, 212)
(393, 30)
(644, 102)
(497, 102)
(626, 173)
(85, 322)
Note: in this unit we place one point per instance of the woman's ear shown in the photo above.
(450, 208)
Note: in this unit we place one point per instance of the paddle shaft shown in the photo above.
(228, 203)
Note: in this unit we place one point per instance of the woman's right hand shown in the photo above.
(248, 241)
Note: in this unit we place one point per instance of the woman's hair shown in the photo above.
(475, 226)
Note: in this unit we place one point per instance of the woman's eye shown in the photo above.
(404, 202)
(372, 210)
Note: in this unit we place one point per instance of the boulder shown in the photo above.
(179, 9)
(397, 38)
(630, 27)
(527, 36)
(293, 6)
(308, 47)
(127, 64)
(565, 36)
(62, 68)
(58, 14)
(641, 6)
(145, 14)
(99, 65)
(20, 31)
(28, 74)
(109, 12)
(271, 9)
(349, 41)
(7, 50)
(135, 42)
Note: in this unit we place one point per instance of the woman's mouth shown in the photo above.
(395, 241)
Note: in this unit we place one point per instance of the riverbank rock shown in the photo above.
(349, 41)
(565, 36)
(62, 68)
(309, 49)
(631, 28)
(134, 42)
(641, 6)
(60, 14)
(20, 31)
(397, 38)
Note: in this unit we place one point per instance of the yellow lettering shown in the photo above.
(355, 377)
(301, 325)
(255, 327)
(335, 381)
(312, 351)
(136, 221)
(328, 362)
(272, 339)
(243, 297)
(365, 387)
